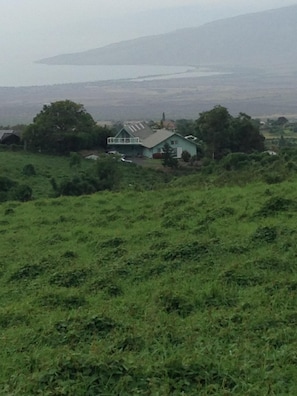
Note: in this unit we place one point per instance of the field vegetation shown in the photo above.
(179, 283)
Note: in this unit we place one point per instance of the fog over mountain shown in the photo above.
(259, 40)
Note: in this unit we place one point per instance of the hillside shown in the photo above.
(185, 290)
(259, 40)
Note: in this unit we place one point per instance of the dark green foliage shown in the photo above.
(22, 193)
(104, 176)
(168, 157)
(104, 377)
(9, 211)
(133, 344)
(69, 278)
(265, 234)
(195, 376)
(29, 170)
(27, 272)
(245, 135)
(78, 185)
(241, 278)
(75, 160)
(100, 135)
(56, 301)
(190, 251)
(276, 204)
(112, 243)
(213, 129)
(185, 127)
(273, 178)
(272, 263)
(83, 329)
(223, 133)
(107, 286)
(281, 121)
(99, 326)
(62, 126)
(186, 156)
(235, 161)
(171, 302)
(12, 319)
(108, 174)
(69, 254)
(6, 184)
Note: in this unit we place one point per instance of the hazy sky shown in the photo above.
(33, 29)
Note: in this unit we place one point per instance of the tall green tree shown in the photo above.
(223, 133)
(62, 126)
(245, 136)
(213, 129)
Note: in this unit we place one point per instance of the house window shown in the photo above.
(173, 142)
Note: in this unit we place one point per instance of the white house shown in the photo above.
(139, 140)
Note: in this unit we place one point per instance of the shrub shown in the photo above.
(6, 184)
(75, 160)
(276, 204)
(265, 234)
(27, 272)
(23, 193)
(186, 156)
(273, 178)
(29, 170)
(235, 161)
(69, 279)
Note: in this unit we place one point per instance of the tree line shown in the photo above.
(220, 133)
(65, 126)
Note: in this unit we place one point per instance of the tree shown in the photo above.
(223, 133)
(169, 159)
(62, 126)
(213, 129)
(245, 136)
(100, 135)
(185, 127)
(281, 121)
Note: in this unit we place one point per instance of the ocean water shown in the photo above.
(26, 74)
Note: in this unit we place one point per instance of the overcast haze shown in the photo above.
(33, 29)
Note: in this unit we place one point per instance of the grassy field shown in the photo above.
(49, 167)
(184, 290)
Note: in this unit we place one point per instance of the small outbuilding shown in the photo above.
(9, 136)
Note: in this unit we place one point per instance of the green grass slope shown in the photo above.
(170, 292)
(48, 167)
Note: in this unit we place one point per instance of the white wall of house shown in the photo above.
(177, 142)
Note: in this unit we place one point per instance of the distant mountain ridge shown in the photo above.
(260, 40)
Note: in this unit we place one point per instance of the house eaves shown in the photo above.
(4, 133)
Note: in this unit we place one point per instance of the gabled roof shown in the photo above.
(160, 136)
(138, 129)
(4, 133)
(157, 138)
